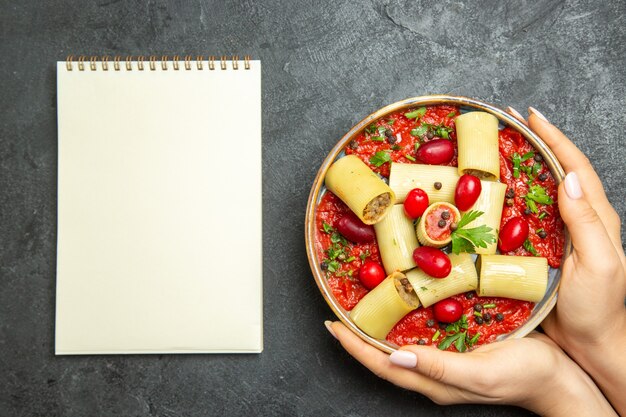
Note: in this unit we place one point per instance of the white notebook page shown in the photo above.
(159, 210)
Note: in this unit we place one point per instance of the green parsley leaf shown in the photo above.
(466, 240)
(416, 146)
(327, 228)
(450, 339)
(415, 114)
(391, 121)
(364, 255)
(469, 217)
(371, 128)
(350, 259)
(542, 215)
(536, 169)
(380, 158)
(409, 157)
(452, 114)
(377, 138)
(530, 248)
(420, 130)
(443, 131)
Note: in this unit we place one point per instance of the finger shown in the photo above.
(516, 114)
(572, 159)
(449, 368)
(378, 362)
(589, 235)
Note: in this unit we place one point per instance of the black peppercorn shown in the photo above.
(542, 234)
(527, 212)
(478, 307)
(510, 193)
(430, 135)
(487, 317)
(421, 342)
(442, 223)
(324, 266)
(442, 326)
(499, 317)
(469, 295)
(478, 320)
(543, 176)
(353, 144)
(538, 158)
(445, 215)
(430, 323)
(437, 185)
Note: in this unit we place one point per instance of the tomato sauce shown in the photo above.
(413, 326)
(343, 276)
(552, 245)
(404, 144)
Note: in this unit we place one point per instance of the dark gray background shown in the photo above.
(325, 66)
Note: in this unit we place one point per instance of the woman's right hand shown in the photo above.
(589, 321)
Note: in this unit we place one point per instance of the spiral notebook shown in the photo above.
(159, 206)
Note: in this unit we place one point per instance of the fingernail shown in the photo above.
(537, 113)
(572, 186)
(403, 358)
(327, 323)
(515, 114)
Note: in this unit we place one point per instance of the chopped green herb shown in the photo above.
(478, 314)
(350, 259)
(539, 230)
(391, 121)
(436, 335)
(350, 273)
(537, 194)
(415, 114)
(377, 138)
(452, 114)
(536, 169)
(542, 215)
(517, 161)
(364, 255)
(371, 128)
(380, 158)
(424, 288)
(396, 147)
(382, 129)
(333, 266)
(337, 238)
(489, 306)
(420, 130)
(466, 240)
(327, 228)
(530, 248)
(474, 339)
(409, 157)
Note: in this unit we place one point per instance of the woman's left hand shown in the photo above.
(531, 372)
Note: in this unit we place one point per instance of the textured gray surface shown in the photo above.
(324, 68)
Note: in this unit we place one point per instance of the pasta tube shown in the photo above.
(405, 177)
(477, 137)
(385, 305)
(396, 240)
(518, 277)
(462, 278)
(360, 188)
(433, 229)
(490, 202)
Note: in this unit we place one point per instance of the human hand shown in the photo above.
(531, 372)
(589, 321)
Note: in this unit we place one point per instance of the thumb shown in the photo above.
(439, 365)
(589, 236)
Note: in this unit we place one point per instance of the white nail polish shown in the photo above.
(327, 323)
(516, 114)
(572, 186)
(403, 358)
(537, 113)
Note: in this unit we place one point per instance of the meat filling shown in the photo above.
(377, 207)
(406, 292)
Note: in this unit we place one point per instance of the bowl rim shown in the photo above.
(310, 229)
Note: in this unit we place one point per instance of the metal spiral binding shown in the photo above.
(152, 62)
